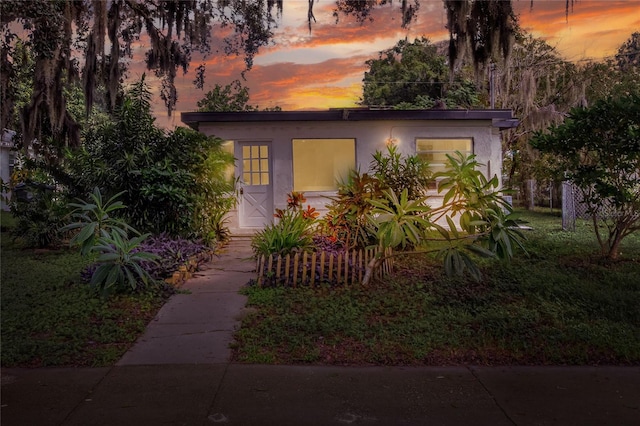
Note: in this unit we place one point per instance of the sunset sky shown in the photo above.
(324, 68)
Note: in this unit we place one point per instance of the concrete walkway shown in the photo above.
(179, 373)
(197, 327)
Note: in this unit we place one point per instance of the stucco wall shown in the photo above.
(369, 135)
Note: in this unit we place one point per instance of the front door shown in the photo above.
(256, 195)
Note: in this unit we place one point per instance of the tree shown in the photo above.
(598, 149)
(103, 34)
(540, 87)
(479, 30)
(615, 77)
(232, 97)
(414, 75)
(628, 56)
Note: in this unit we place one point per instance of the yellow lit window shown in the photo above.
(435, 151)
(319, 164)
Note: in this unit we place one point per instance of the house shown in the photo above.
(6, 164)
(311, 151)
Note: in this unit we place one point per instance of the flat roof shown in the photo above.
(502, 118)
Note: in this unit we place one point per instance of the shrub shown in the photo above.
(119, 263)
(346, 220)
(293, 231)
(39, 220)
(94, 219)
(399, 173)
(173, 182)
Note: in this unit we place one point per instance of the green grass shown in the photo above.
(50, 318)
(560, 304)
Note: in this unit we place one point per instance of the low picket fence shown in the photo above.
(315, 268)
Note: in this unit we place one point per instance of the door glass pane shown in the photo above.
(255, 164)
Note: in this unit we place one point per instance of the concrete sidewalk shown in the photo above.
(178, 373)
(188, 394)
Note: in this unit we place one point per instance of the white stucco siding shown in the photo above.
(369, 136)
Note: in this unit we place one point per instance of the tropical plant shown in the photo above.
(487, 227)
(598, 150)
(94, 219)
(39, 220)
(400, 221)
(173, 182)
(119, 263)
(292, 233)
(398, 172)
(346, 219)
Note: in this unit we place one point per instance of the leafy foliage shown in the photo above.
(119, 263)
(95, 219)
(171, 182)
(40, 219)
(347, 218)
(598, 149)
(171, 253)
(399, 220)
(397, 173)
(485, 228)
(292, 232)
(415, 75)
(232, 97)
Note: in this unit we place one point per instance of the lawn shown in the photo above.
(51, 318)
(557, 305)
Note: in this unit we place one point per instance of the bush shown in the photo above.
(119, 263)
(171, 182)
(346, 220)
(398, 173)
(293, 232)
(39, 220)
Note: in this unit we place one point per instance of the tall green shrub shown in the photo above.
(172, 182)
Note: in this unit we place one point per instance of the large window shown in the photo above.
(318, 164)
(435, 151)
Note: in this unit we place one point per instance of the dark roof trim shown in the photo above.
(500, 117)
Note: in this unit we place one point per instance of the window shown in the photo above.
(319, 164)
(255, 164)
(435, 151)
